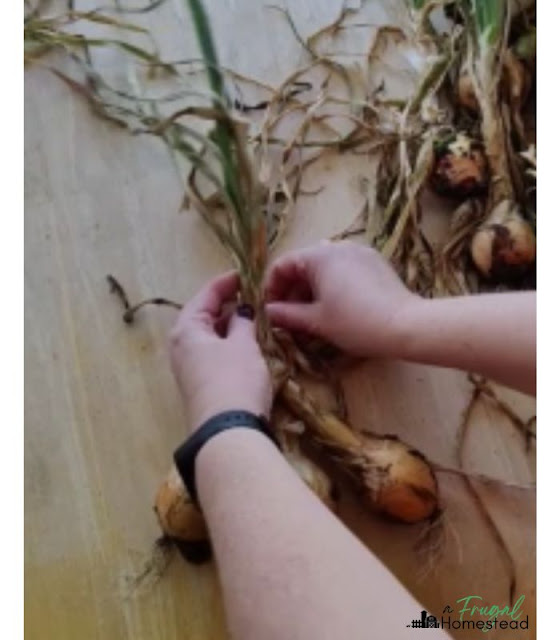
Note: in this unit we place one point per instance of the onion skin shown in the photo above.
(181, 521)
(466, 96)
(178, 516)
(401, 482)
(460, 168)
(396, 480)
(504, 247)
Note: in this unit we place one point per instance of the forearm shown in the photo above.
(288, 567)
(493, 335)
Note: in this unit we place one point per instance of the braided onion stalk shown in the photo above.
(395, 479)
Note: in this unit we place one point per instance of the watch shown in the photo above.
(185, 455)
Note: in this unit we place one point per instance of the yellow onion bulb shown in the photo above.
(395, 479)
(180, 520)
(460, 167)
(400, 482)
(504, 247)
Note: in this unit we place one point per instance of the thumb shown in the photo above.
(241, 323)
(294, 316)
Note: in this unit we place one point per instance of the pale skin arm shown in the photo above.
(288, 568)
(493, 335)
(350, 296)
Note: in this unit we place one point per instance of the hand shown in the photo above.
(342, 292)
(215, 358)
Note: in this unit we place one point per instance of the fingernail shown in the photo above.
(245, 311)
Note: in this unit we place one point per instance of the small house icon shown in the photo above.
(429, 621)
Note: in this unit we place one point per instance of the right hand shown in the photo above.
(345, 293)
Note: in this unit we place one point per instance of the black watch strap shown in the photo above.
(185, 455)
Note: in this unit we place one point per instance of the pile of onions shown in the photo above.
(504, 246)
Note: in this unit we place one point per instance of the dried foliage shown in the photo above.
(244, 174)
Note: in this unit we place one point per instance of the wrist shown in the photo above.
(203, 412)
(409, 329)
(186, 455)
(227, 456)
(223, 445)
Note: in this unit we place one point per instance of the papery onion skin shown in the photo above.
(504, 247)
(460, 168)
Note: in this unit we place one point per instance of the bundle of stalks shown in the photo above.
(397, 480)
(479, 163)
(467, 103)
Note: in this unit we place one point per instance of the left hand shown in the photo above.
(218, 371)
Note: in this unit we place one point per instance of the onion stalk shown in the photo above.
(397, 480)
(487, 27)
(515, 83)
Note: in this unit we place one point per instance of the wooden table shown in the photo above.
(102, 411)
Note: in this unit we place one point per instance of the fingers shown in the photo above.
(291, 276)
(295, 316)
(205, 308)
(241, 324)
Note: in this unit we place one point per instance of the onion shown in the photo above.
(396, 480)
(400, 481)
(460, 167)
(180, 520)
(504, 247)
(176, 512)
